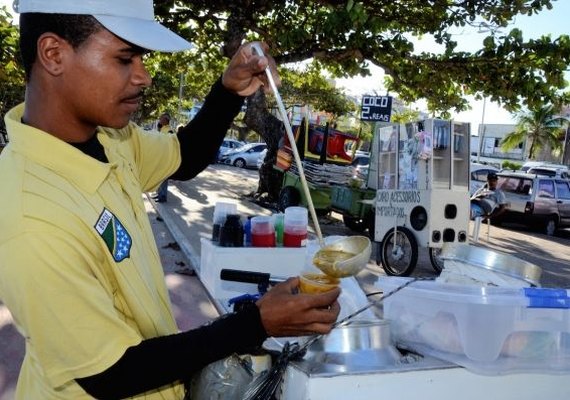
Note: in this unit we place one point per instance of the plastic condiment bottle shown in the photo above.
(221, 210)
(262, 232)
(295, 227)
(231, 234)
(247, 232)
(278, 222)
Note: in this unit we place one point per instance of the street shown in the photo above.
(551, 253)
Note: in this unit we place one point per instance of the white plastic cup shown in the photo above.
(262, 232)
(295, 227)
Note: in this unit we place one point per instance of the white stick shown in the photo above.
(289, 131)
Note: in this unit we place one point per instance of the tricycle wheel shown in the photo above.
(288, 197)
(399, 250)
(355, 224)
(435, 258)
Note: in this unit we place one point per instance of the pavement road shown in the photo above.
(187, 216)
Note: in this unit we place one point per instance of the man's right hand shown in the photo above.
(285, 313)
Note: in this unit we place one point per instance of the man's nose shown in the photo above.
(141, 77)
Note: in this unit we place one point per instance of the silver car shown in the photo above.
(245, 156)
(536, 200)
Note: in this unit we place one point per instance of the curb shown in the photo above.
(179, 237)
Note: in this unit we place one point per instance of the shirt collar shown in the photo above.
(54, 154)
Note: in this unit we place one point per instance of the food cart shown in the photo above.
(329, 177)
(358, 375)
(422, 197)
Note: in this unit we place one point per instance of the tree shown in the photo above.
(539, 128)
(11, 73)
(346, 36)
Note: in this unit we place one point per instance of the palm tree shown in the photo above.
(540, 127)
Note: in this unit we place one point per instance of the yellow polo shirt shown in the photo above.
(79, 267)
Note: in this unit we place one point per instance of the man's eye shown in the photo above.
(123, 60)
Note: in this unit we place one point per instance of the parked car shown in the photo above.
(478, 176)
(360, 164)
(535, 200)
(531, 164)
(227, 145)
(261, 158)
(553, 172)
(244, 156)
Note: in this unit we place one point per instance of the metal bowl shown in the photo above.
(360, 343)
(491, 260)
(357, 247)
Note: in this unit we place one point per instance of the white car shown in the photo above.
(478, 176)
(553, 172)
(245, 156)
(228, 145)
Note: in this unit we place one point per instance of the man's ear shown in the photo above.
(52, 53)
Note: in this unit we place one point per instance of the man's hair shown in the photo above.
(75, 29)
(491, 176)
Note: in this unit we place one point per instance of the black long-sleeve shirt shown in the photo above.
(159, 361)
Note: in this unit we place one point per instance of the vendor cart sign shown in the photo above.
(376, 108)
(393, 203)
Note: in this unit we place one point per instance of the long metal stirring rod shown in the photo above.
(291, 137)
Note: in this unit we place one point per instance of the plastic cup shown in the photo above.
(315, 283)
(262, 232)
(295, 227)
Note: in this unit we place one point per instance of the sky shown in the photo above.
(554, 22)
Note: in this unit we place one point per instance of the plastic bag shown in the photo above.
(228, 378)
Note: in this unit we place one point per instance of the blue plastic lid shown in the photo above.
(547, 298)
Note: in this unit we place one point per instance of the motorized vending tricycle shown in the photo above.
(422, 197)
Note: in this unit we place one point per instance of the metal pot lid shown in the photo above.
(494, 261)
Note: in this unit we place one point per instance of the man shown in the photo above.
(488, 202)
(163, 127)
(79, 269)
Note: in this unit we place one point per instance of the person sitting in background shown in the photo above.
(488, 201)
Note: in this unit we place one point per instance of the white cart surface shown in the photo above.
(425, 378)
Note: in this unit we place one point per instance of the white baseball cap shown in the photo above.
(131, 20)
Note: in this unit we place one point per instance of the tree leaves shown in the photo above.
(345, 36)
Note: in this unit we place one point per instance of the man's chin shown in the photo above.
(118, 130)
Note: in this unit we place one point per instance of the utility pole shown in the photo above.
(566, 146)
(482, 130)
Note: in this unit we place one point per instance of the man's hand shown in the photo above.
(246, 72)
(284, 313)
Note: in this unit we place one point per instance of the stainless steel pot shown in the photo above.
(500, 263)
(360, 343)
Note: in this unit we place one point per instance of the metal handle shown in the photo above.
(257, 278)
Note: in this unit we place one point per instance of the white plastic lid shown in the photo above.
(296, 216)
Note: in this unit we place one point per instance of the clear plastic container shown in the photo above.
(262, 232)
(315, 283)
(488, 330)
(295, 227)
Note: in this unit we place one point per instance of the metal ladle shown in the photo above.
(342, 268)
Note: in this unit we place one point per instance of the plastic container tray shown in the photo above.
(488, 330)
